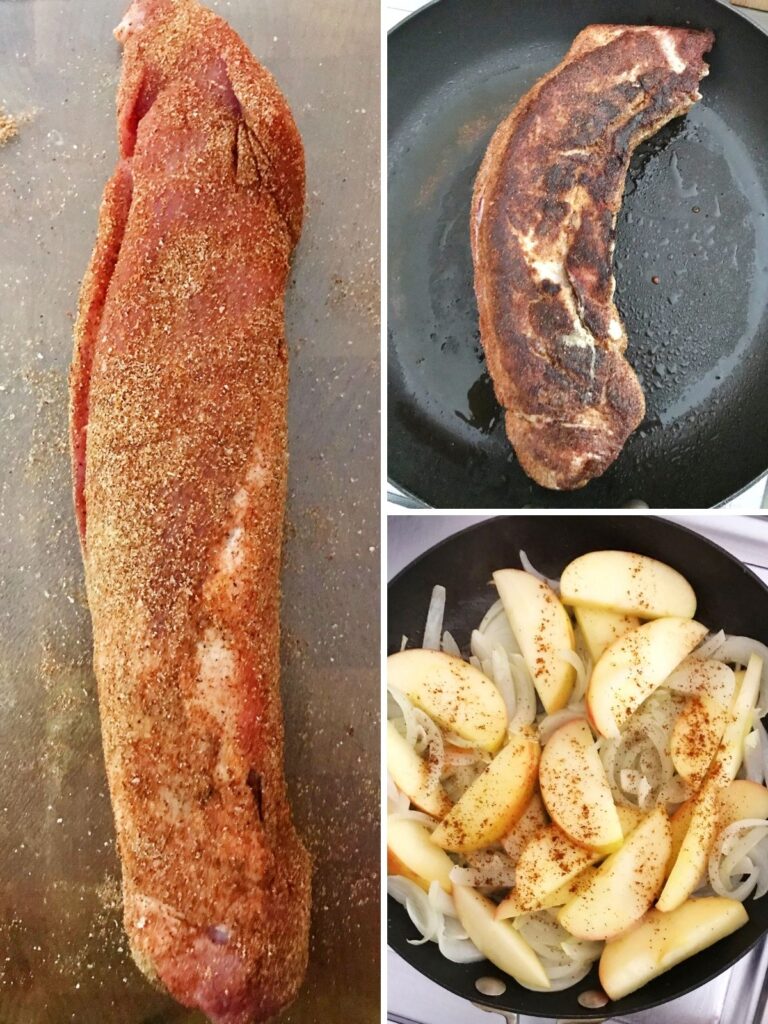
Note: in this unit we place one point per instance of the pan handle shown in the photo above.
(514, 1018)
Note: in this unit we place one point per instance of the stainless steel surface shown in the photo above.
(62, 952)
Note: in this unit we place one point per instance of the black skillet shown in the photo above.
(695, 215)
(729, 596)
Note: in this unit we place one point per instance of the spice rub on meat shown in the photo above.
(543, 222)
(178, 428)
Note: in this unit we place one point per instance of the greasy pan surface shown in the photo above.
(695, 215)
(729, 596)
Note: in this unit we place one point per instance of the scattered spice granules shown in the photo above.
(9, 127)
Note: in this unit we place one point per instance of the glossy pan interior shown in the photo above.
(695, 215)
(729, 595)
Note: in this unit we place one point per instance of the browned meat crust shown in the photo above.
(178, 405)
(543, 220)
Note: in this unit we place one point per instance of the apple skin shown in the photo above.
(548, 861)
(494, 801)
(410, 775)
(542, 629)
(625, 885)
(409, 844)
(629, 584)
(662, 940)
(498, 940)
(601, 627)
(634, 666)
(575, 790)
(691, 861)
(453, 693)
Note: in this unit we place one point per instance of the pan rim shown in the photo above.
(739, 12)
(586, 1015)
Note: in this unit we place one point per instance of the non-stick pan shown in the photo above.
(730, 597)
(695, 216)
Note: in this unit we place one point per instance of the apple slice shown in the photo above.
(601, 627)
(680, 822)
(634, 666)
(703, 677)
(452, 692)
(409, 844)
(727, 761)
(494, 801)
(547, 862)
(630, 817)
(742, 799)
(625, 885)
(575, 790)
(663, 940)
(627, 583)
(532, 819)
(696, 736)
(512, 907)
(411, 776)
(542, 630)
(691, 861)
(499, 941)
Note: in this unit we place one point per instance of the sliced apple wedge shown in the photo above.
(634, 666)
(494, 801)
(696, 736)
(542, 630)
(601, 627)
(742, 799)
(452, 692)
(663, 940)
(703, 677)
(411, 776)
(498, 940)
(409, 844)
(512, 907)
(625, 885)
(691, 861)
(575, 790)
(680, 822)
(532, 819)
(727, 761)
(630, 817)
(547, 862)
(627, 583)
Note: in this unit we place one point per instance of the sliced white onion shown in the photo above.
(763, 745)
(434, 749)
(497, 608)
(525, 692)
(580, 687)
(729, 857)
(407, 710)
(708, 647)
(531, 568)
(454, 944)
(397, 801)
(480, 646)
(450, 646)
(420, 817)
(753, 757)
(433, 629)
(441, 900)
(486, 870)
(425, 918)
(502, 677)
(737, 650)
(403, 643)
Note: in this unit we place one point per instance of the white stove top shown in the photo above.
(738, 996)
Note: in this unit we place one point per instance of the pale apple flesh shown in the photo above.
(703, 677)
(634, 666)
(409, 844)
(498, 940)
(696, 736)
(601, 627)
(410, 774)
(453, 693)
(625, 885)
(542, 629)
(727, 761)
(512, 906)
(532, 819)
(548, 861)
(691, 862)
(494, 801)
(575, 789)
(629, 817)
(662, 941)
(627, 583)
(742, 799)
